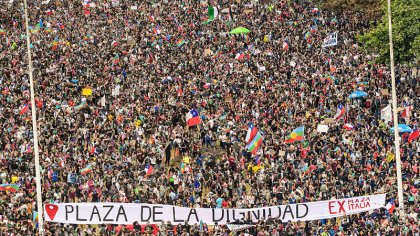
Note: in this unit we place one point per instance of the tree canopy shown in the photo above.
(405, 31)
(370, 7)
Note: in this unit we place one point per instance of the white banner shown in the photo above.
(128, 213)
(330, 40)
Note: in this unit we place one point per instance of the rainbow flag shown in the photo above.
(182, 167)
(255, 143)
(35, 217)
(87, 37)
(180, 42)
(86, 170)
(9, 187)
(33, 30)
(296, 135)
(329, 78)
(307, 35)
(305, 169)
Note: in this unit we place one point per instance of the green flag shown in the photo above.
(212, 14)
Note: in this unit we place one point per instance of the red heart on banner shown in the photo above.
(51, 210)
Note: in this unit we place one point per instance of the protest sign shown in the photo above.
(115, 3)
(329, 121)
(390, 157)
(330, 40)
(322, 128)
(87, 92)
(248, 11)
(384, 92)
(127, 213)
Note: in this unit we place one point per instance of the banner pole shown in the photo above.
(34, 127)
(395, 117)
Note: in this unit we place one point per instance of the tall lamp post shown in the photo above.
(395, 117)
(34, 127)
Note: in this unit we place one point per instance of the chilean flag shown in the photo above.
(252, 131)
(156, 30)
(340, 112)
(24, 109)
(285, 46)
(348, 127)
(179, 91)
(148, 169)
(114, 43)
(193, 118)
(413, 135)
(239, 56)
(390, 206)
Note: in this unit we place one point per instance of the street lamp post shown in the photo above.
(34, 127)
(395, 117)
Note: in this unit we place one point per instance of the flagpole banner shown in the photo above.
(330, 40)
(128, 213)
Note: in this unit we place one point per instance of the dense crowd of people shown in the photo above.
(148, 63)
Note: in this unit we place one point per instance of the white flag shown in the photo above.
(116, 91)
(103, 101)
(386, 113)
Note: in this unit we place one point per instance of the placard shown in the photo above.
(322, 128)
(384, 92)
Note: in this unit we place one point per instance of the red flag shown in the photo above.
(179, 91)
(86, 10)
(413, 135)
(24, 109)
(150, 58)
(406, 112)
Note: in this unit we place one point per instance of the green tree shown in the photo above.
(405, 31)
(372, 8)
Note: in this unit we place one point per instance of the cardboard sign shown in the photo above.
(329, 121)
(384, 92)
(248, 11)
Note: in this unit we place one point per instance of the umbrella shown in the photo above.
(358, 94)
(402, 128)
(240, 30)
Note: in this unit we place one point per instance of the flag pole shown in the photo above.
(34, 127)
(395, 116)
